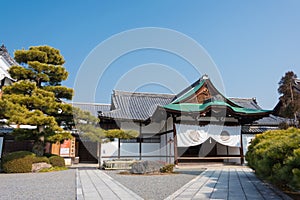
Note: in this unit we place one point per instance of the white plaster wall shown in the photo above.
(129, 149)
(151, 149)
(110, 148)
(165, 147)
(246, 138)
(4, 65)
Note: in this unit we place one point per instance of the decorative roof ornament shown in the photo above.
(3, 49)
(205, 77)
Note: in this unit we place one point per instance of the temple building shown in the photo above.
(198, 124)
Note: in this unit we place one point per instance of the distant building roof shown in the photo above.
(296, 85)
(4, 53)
(6, 61)
(136, 105)
(246, 103)
(93, 108)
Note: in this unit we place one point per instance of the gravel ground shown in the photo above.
(51, 185)
(155, 186)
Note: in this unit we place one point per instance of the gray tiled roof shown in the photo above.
(257, 129)
(93, 108)
(4, 53)
(141, 106)
(136, 105)
(246, 103)
(272, 120)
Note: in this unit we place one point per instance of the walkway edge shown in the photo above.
(180, 190)
(136, 196)
(79, 190)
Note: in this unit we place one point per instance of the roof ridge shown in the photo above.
(245, 98)
(5, 54)
(162, 95)
(89, 103)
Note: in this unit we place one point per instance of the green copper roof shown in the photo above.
(191, 107)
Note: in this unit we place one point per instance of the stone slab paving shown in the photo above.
(226, 182)
(94, 184)
(232, 183)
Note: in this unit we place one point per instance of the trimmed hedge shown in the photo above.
(18, 162)
(21, 161)
(275, 156)
(41, 159)
(57, 161)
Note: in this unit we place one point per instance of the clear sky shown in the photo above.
(252, 43)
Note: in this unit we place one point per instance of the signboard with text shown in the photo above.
(65, 148)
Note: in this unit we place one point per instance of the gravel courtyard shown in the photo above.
(51, 185)
(155, 186)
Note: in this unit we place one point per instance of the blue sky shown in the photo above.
(253, 43)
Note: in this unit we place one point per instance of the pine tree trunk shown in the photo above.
(39, 145)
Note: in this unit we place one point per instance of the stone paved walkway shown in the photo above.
(94, 184)
(232, 183)
(236, 183)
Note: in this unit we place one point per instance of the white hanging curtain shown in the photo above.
(192, 135)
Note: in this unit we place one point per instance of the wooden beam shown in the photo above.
(175, 142)
(119, 148)
(140, 141)
(242, 149)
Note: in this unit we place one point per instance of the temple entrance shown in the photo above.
(87, 152)
(209, 151)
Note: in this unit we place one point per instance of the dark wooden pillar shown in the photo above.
(175, 142)
(140, 142)
(119, 148)
(242, 150)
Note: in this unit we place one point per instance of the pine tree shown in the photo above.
(36, 98)
(289, 99)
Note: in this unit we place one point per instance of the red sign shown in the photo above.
(65, 148)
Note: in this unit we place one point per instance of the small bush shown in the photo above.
(57, 161)
(41, 159)
(18, 162)
(167, 168)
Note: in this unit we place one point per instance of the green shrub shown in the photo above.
(52, 169)
(275, 156)
(48, 155)
(41, 159)
(18, 162)
(16, 154)
(167, 168)
(57, 161)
